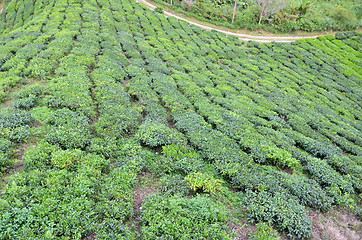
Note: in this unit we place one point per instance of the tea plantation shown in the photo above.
(106, 104)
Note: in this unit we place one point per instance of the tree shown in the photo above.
(303, 7)
(270, 7)
(236, 3)
(243, 3)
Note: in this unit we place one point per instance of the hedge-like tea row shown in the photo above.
(14, 129)
(69, 171)
(115, 82)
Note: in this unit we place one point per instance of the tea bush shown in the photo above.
(174, 185)
(200, 182)
(287, 214)
(177, 217)
(120, 91)
(264, 231)
(178, 159)
(154, 135)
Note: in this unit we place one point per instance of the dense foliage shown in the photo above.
(106, 90)
(274, 15)
(177, 217)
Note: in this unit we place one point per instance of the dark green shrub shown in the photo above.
(28, 97)
(14, 124)
(115, 194)
(134, 155)
(248, 18)
(15, 118)
(263, 232)
(26, 103)
(3, 96)
(345, 165)
(277, 209)
(17, 134)
(326, 176)
(31, 91)
(69, 129)
(69, 136)
(47, 156)
(159, 10)
(273, 155)
(344, 18)
(154, 135)
(5, 145)
(117, 121)
(174, 185)
(4, 161)
(73, 203)
(40, 156)
(113, 229)
(176, 217)
(62, 197)
(107, 147)
(178, 159)
(65, 116)
(68, 159)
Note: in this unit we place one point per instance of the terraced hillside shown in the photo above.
(119, 123)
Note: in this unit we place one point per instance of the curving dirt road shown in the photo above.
(241, 36)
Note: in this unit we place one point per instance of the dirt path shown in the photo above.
(146, 186)
(338, 225)
(241, 36)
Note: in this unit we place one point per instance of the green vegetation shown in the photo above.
(265, 232)
(273, 15)
(99, 94)
(177, 217)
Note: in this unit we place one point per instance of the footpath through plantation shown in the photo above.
(119, 123)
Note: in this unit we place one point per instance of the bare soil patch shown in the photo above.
(259, 36)
(336, 225)
(147, 185)
(241, 229)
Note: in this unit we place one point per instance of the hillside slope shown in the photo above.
(118, 123)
